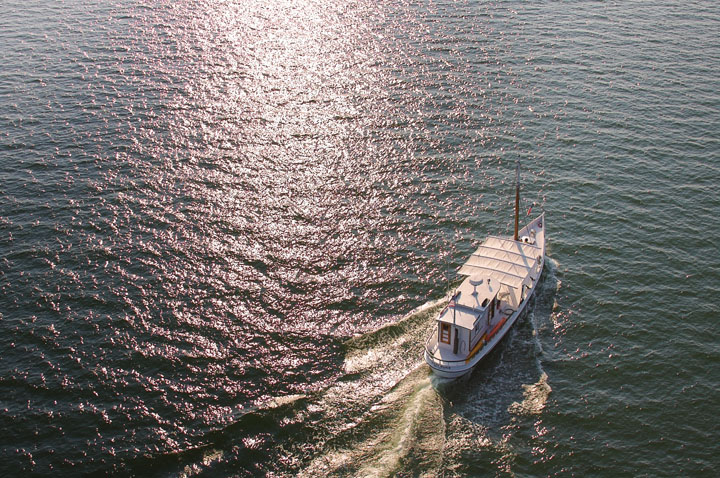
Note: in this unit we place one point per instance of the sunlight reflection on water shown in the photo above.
(236, 188)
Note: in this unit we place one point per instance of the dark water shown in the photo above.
(225, 227)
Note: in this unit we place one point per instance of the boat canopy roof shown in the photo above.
(505, 260)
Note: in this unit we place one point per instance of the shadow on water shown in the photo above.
(245, 446)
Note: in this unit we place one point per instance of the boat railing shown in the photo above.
(432, 348)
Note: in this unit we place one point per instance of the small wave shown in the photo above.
(535, 397)
(276, 402)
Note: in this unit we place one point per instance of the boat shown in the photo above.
(501, 276)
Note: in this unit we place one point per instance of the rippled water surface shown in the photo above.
(225, 227)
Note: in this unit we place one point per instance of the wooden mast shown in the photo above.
(517, 199)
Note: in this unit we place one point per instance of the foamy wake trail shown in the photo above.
(549, 284)
(386, 414)
(404, 430)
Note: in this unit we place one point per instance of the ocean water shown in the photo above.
(225, 227)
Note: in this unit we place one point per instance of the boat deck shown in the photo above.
(447, 355)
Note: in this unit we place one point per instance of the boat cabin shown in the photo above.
(468, 316)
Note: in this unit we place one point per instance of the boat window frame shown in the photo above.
(445, 327)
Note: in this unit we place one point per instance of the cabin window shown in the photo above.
(444, 333)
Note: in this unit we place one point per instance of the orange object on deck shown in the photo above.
(496, 328)
(475, 349)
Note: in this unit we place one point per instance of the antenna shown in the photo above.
(447, 271)
(475, 283)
